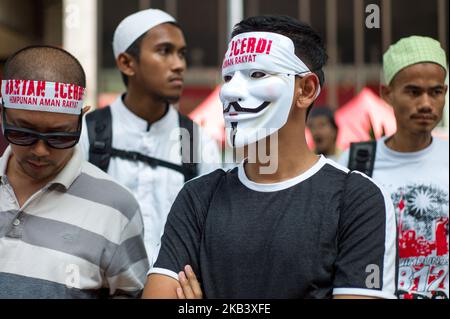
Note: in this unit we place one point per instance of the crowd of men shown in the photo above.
(131, 200)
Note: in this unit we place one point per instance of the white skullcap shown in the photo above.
(135, 25)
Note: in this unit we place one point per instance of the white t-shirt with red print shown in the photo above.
(418, 183)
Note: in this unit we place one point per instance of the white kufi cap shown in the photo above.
(135, 25)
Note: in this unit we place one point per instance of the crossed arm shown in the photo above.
(165, 287)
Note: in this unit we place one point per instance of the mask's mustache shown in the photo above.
(239, 108)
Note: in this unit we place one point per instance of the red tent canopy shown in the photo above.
(209, 116)
(366, 112)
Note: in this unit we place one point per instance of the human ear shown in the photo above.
(126, 64)
(85, 109)
(386, 93)
(306, 89)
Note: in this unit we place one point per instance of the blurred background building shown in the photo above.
(356, 33)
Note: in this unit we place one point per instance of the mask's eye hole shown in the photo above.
(257, 74)
(227, 78)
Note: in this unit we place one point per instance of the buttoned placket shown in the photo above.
(147, 175)
(18, 221)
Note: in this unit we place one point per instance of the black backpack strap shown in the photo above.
(362, 157)
(153, 162)
(99, 125)
(189, 146)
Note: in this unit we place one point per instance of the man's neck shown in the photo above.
(146, 107)
(406, 142)
(331, 151)
(23, 185)
(292, 157)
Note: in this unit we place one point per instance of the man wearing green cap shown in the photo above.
(413, 165)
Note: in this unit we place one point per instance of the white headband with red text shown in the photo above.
(42, 96)
(264, 51)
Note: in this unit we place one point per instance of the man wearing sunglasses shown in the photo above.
(66, 229)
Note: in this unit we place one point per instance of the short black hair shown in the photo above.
(44, 62)
(309, 46)
(135, 49)
(324, 111)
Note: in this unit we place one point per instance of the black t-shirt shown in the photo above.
(321, 233)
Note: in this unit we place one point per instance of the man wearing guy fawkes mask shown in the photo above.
(310, 228)
(258, 94)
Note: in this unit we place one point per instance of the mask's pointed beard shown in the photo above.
(233, 132)
(233, 138)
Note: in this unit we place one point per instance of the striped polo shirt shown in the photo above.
(80, 236)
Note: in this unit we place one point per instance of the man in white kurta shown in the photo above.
(149, 48)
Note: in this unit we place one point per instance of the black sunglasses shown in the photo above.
(26, 137)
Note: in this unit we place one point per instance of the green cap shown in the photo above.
(409, 51)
